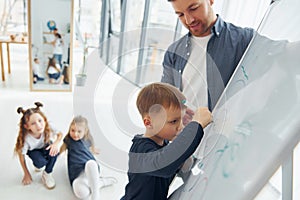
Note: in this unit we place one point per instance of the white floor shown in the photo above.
(59, 107)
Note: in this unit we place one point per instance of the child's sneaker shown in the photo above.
(39, 169)
(48, 180)
(107, 181)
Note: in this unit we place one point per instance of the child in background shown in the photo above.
(83, 169)
(35, 140)
(54, 72)
(58, 48)
(153, 159)
(37, 75)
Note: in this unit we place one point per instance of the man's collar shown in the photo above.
(217, 27)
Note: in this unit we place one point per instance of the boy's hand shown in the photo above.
(203, 116)
(187, 118)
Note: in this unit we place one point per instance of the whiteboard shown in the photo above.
(257, 119)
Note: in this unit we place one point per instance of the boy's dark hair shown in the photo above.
(162, 94)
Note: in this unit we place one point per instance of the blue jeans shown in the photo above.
(38, 78)
(58, 59)
(54, 76)
(41, 158)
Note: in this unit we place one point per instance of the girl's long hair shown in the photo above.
(87, 135)
(52, 62)
(24, 119)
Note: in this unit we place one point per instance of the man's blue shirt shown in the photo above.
(224, 51)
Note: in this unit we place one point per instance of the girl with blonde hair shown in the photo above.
(83, 169)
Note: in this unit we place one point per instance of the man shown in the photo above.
(202, 61)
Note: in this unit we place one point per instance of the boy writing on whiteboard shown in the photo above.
(157, 155)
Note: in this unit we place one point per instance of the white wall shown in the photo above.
(41, 12)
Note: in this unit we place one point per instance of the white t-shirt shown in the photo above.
(52, 70)
(36, 70)
(31, 142)
(58, 46)
(194, 74)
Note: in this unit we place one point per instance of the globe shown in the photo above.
(51, 25)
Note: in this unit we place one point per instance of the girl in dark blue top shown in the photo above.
(83, 169)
